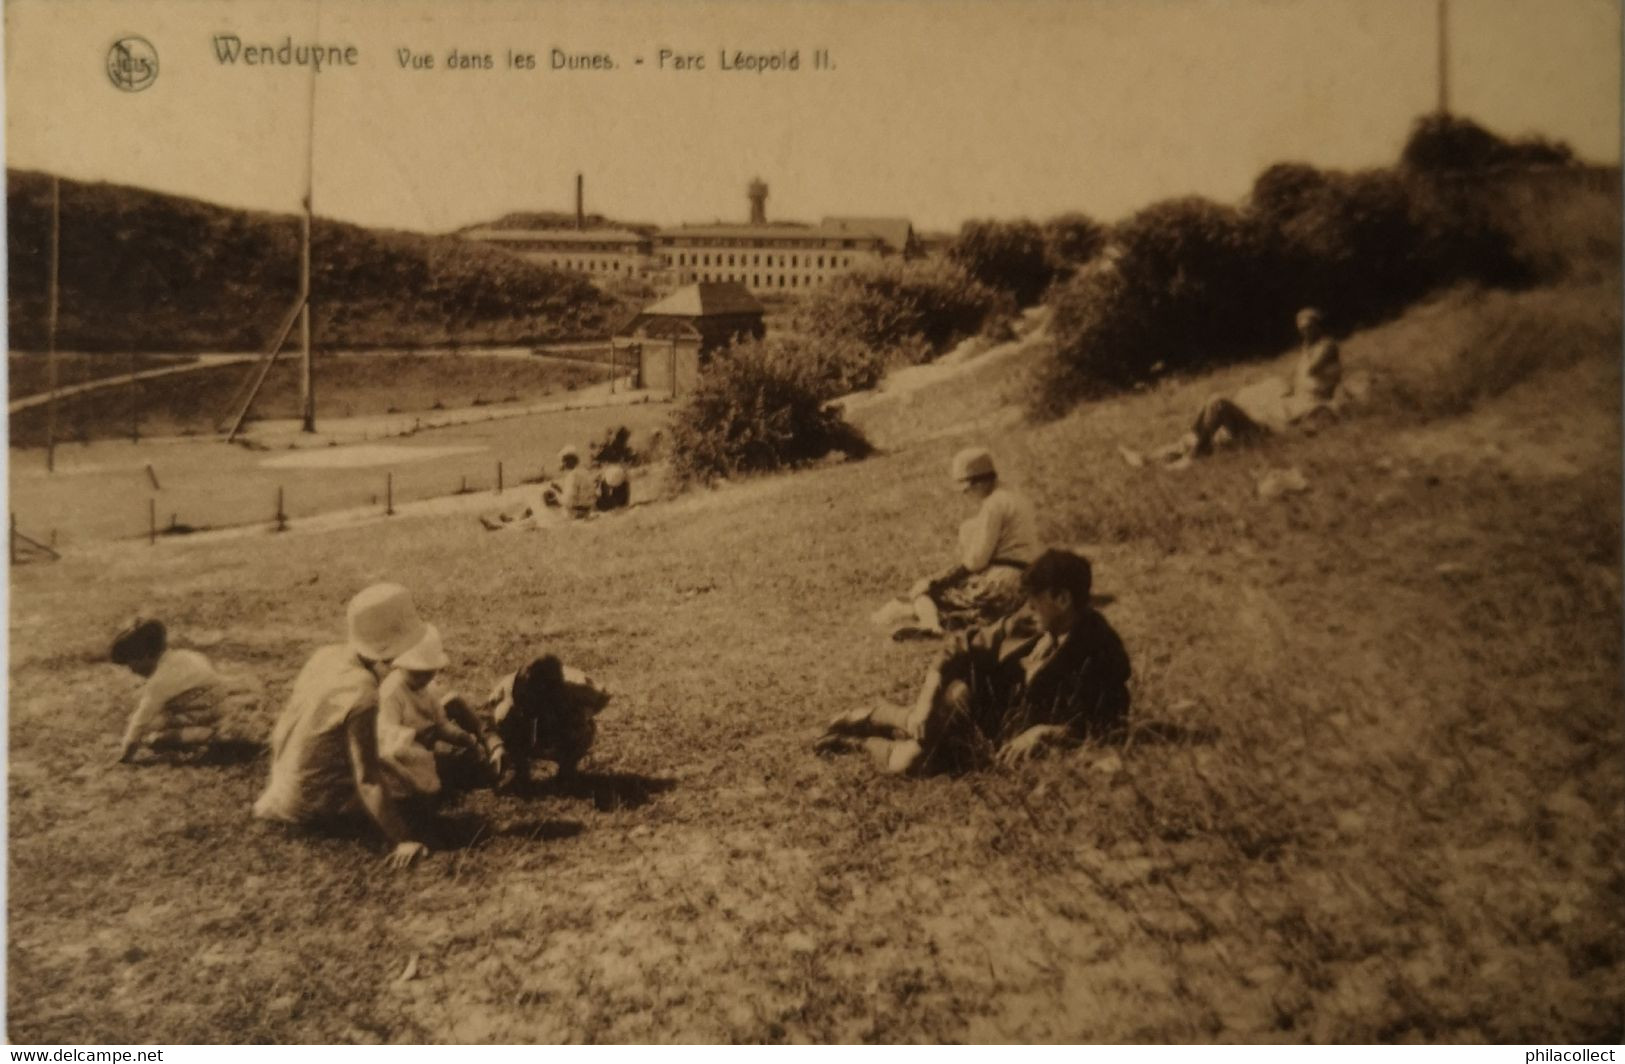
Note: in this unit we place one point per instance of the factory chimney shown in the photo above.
(758, 201)
(581, 218)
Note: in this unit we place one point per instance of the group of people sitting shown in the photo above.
(1026, 663)
(577, 492)
(368, 729)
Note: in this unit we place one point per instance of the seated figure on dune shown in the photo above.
(543, 712)
(1313, 390)
(325, 762)
(995, 545)
(187, 706)
(996, 694)
(574, 491)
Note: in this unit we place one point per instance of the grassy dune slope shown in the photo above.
(1375, 791)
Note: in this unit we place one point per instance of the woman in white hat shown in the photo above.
(324, 748)
(995, 545)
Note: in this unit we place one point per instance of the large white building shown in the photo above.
(779, 258)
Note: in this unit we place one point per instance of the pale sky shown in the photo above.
(937, 110)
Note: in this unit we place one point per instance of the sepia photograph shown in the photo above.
(814, 522)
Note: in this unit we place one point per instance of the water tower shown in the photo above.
(758, 201)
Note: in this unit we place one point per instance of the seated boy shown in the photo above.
(543, 712)
(1000, 694)
(186, 705)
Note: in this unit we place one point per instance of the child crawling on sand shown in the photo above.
(186, 705)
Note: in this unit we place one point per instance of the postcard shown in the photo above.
(917, 521)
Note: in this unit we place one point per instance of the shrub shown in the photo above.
(755, 412)
(1444, 142)
(898, 306)
(1010, 257)
(834, 367)
(1071, 241)
(1188, 282)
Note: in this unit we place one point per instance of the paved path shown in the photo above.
(28, 402)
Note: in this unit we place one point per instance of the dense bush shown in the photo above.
(1445, 142)
(845, 336)
(1011, 257)
(1188, 282)
(1071, 241)
(753, 411)
(920, 307)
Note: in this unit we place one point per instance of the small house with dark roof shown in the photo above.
(671, 339)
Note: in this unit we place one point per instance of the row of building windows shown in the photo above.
(546, 246)
(588, 265)
(756, 260)
(745, 242)
(756, 279)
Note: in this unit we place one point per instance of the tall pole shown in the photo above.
(1444, 57)
(307, 380)
(50, 322)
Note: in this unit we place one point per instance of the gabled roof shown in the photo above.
(706, 300)
(898, 233)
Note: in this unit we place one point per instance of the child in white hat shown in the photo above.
(412, 718)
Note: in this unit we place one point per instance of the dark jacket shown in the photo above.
(1083, 686)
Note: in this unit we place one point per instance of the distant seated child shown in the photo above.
(186, 705)
(412, 719)
(544, 712)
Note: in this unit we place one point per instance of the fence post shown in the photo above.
(152, 522)
(389, 494)
(281, 514)
(499, 478)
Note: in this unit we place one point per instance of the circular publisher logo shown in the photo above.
(132, 63)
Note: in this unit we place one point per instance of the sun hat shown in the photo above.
(615, 476)
(569, 451)
(383, 622)
(971, 463)
(1309, 316)
(426, 655)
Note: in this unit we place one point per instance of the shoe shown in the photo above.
(826, 745)
(852, 722)
(915, 631)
